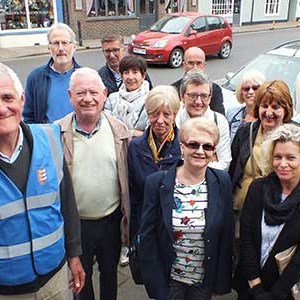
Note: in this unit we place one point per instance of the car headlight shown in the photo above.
(160, 44)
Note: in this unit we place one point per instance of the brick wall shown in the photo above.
(96, 28)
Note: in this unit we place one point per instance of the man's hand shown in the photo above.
(78, 275)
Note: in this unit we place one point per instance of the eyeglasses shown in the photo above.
(196, 146)
(113, 50)
(248, 88)
(194, 96)
(56, 44)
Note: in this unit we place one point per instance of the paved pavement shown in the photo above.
(18, 52)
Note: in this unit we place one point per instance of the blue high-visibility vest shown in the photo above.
(31, 225)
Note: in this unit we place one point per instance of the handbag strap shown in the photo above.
(251, 150)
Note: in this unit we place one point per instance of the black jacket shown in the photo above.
(240, 151)
(216, 102)
(250, 249)
(108, 79)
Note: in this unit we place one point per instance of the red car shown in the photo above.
(168, 38)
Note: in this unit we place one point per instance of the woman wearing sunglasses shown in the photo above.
(245, 94)
(186, 226)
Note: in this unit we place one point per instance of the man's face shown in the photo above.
(10, 107)
(87, 98)
(196, 99)
(61, 48)
(194, 60)
(113, 53)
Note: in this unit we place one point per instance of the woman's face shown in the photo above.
(286, 162)
(198, 149)
(161, 122)
(249, 89)
(132, 79)
(271, 115)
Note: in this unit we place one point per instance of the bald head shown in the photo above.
(194, 58)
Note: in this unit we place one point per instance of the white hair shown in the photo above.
(7, 71)
(61, 26)
(87, 72)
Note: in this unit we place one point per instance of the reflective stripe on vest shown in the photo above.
(32, 227)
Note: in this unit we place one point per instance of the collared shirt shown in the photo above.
(117, 76)
(17, 150)
(84, 132)
(71, 68)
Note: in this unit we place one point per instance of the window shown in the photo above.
(111, 8)
(213, 23)
(25, 14)
(272, 7)
(222, 7)
(199, 24)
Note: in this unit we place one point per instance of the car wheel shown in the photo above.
(225, 50)
(176, 58)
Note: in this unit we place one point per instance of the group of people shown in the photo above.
(199, 202)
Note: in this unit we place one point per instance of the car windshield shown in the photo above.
(273, 67)
(174, 24)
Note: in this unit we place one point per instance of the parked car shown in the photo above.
(281, 62)
(168, 38)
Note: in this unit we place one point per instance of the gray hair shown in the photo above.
(194, 76)
(61, 26)
(7, 71)
(162, 95)
(87, 72)
(282, 134)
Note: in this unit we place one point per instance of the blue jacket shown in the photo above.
(31, 225)
(155, 248)
(140, 165)
(36, 93)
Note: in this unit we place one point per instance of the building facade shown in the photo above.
(26, 22)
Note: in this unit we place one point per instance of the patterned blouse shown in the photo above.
(190, 202)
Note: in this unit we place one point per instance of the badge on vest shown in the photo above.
(42, 176)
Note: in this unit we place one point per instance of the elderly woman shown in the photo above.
(157, 149)
(186, 226)
(273, 107)
(245, 93)
(270, 220)
(128, 104)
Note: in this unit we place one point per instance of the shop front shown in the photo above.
(26, 22)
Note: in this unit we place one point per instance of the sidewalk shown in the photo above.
(18, 52)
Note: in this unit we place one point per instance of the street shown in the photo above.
(246, 46)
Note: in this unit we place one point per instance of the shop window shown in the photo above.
(111, 8)
(272, 7)
(26, 14)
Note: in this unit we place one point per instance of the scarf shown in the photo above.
(157, 149)
(276, 211)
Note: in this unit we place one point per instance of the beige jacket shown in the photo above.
(121, 138)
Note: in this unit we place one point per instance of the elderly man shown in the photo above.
(39, 224)
(95, 146)
(46, 90)
(194, 58)
(113, 50)
(195, 92)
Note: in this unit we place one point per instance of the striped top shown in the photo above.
(190, 202)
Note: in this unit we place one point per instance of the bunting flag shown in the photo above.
(89, 5)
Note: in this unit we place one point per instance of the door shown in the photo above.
(236, 12)
(146, 12)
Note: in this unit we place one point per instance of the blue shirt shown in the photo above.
(59, 103)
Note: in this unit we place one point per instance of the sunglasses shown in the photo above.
(248, 88)
(196, 146)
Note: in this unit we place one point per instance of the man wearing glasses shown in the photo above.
(195, 92)
(113, 50)
(46, 90)
(194, 58)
